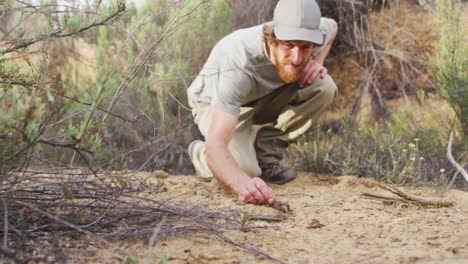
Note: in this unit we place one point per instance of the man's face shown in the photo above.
(290, 58)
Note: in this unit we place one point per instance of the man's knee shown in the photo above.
(243, 152)
(250, 168)
(324, 88)
(253, 171)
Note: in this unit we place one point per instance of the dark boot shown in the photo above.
(275, 173)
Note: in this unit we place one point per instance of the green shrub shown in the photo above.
(158, 93)
(451, 64)
(36, 105)
(396, 151)
(132, 65)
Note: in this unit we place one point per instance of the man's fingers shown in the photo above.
(305, 72)
(266, 191)
(308, 71)
(255, 193)
(313, 75)
(249, 194)
(246, 197)
(323, 72)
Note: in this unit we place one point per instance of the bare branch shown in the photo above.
(58, 33)
(452, 160)
(5, 225)
(405, 197)
(144, 55)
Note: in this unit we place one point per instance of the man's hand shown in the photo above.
(311, 71)
(254, 191)
(315, 67)
(223, 165)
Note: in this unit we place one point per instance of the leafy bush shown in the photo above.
(451, 65)
(124, 99)
(155, 99)
(33, 97)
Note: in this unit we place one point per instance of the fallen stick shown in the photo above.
(269, 218)
(452, 160)
(383, 198)
(407, 198)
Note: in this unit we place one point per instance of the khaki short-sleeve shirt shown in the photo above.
(239, 71)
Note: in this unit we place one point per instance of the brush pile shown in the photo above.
(47, 210)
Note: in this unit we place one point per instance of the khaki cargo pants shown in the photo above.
(283, 115)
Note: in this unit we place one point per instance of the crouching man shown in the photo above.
(270, 75)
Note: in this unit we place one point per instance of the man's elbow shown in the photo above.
(334, 26)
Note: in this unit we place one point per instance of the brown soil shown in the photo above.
(396, 33)
(329, 223)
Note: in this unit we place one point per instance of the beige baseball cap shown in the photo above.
(298, 20)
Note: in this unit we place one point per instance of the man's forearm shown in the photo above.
(223, 166)
(320, 58)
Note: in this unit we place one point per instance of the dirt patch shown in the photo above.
(329, 223)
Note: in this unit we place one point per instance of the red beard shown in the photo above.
(289, 74)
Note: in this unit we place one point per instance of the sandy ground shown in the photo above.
(355, 230)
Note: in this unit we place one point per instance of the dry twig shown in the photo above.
(407, 198)
(452, 160)
(106, 213)
(58, 33)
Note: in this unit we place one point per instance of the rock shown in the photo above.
(314, 223)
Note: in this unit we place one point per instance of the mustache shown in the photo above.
(286, 61)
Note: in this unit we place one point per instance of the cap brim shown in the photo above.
(292, 33)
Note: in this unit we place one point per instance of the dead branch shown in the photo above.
(383, 198)
(5, 225)
(108, 209)
(269, 218)
(55, 218)
(58, 33)
(452, 160)
(98, 108)
(407, 198)
(145, 54)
